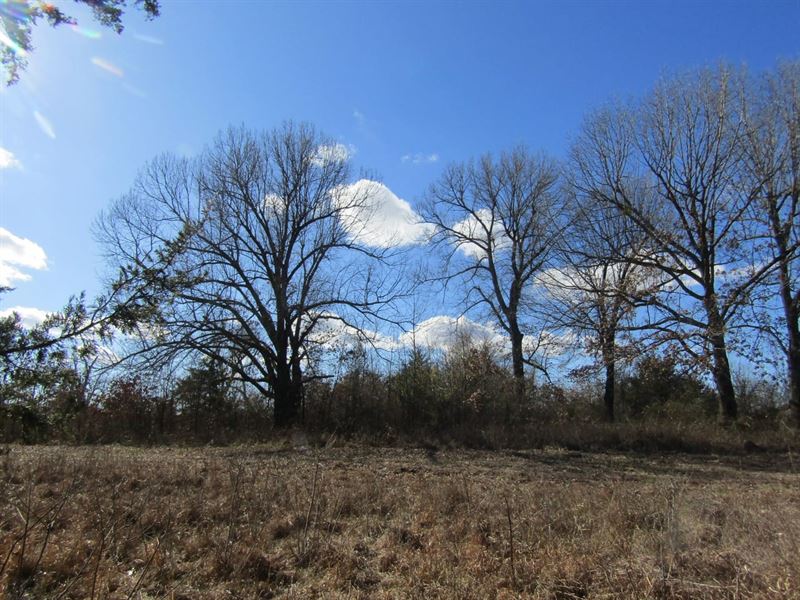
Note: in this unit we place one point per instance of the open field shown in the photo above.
(358, 522)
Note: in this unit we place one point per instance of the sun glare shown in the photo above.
(88, 33)
(107, 66)
(7, 41)
(44, 124)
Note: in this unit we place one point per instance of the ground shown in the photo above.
(341, 521)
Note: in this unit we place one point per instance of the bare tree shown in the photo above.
(496, 221)
(669, 165)
(771, 167)
(594, 289)
(244, 252)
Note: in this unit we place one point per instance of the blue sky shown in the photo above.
(433, 82)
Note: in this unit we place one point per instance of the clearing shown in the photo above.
(363, 522)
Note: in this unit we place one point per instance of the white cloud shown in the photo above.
(31, 317)
(8, 160)
(18, 252)
(420, 158)
(477, 227)
(21, 251)
(332, 332)
(741, 272)
(334, 153)
(443, 332)
(9, 274)
(375, 216)
(273, 204)
(437, 333)
(571, 281)
(550, 344)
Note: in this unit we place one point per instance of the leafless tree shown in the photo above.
(241, 254)
(594, 288)
(669, 165)
(771, 167)
(495, 220)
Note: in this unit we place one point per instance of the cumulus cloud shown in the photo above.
(729, 273)
(30, 316)
(477, 228)
(550, 344)
(16, 253)
(420, 158)
(332, 332)
(375, 216)
(437, 333)
(595, 279)
(443, 332)
(8, 160)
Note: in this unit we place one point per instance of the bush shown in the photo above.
(659, 389)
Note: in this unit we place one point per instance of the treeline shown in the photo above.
(671, 229)
(466, 397)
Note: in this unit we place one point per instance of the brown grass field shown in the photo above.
(285, 521)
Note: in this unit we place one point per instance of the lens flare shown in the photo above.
(107, 66)
(89, 33)
(148, 39)
(15, 47)
(133, 90)
(15, 15)
(44, 125)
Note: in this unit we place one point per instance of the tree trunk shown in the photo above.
(298, 390)
(728, 409)
(794, 384)
(793, 360)
(286, 405)
(609, 361)
(518, 367)
(792, 313)
(608, 394)
(287, 398)
(791, 310)
(721, 367)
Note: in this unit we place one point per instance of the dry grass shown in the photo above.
(355, 522)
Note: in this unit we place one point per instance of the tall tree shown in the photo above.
(771, 168)
(593, 290)
(496, 221)
(244, 251)
(669, 165)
